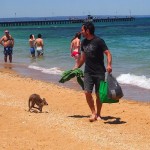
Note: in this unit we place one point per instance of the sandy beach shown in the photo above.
(64, 124)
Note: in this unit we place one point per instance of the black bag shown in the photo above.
(114, 89)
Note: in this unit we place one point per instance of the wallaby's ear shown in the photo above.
(43, 99)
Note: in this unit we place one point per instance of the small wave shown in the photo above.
(53, 70)
(140, 81)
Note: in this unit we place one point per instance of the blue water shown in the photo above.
(129, 43)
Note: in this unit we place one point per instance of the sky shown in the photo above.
(52, 8)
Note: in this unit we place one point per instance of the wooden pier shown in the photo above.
(64, 21)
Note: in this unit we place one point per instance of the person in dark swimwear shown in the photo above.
(8, 42)
(31, 43)
(75, 48)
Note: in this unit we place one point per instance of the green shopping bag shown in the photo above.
(103, 93)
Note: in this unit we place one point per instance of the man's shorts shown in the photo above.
(92, 80)
(40, 52)
(8, 51)
(32, 50)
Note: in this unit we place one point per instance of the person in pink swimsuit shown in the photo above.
(75, 48)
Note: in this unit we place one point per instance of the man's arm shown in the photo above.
(109, 61)
(42, 44)
(35, 43)
(1, 41)
(13, 42)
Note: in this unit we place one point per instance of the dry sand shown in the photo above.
(64, 124)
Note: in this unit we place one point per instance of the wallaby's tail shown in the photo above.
(29, 104)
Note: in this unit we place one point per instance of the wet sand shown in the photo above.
(130, 92)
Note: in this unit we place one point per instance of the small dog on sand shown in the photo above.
(36, 99)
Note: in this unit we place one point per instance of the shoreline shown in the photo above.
(64, 122)
(130, 91)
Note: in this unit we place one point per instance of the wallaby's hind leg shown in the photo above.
(31, 104)
(40, 108)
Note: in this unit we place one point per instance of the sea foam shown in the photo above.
(131, 79)
(54, 70)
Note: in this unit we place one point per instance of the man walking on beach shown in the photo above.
(8, 42)
(93, 49)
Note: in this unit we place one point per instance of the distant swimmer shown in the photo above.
(31, 43)
(75, 48)
(39, 44)
(8, 42)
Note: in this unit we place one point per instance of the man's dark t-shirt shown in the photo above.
(94, 62)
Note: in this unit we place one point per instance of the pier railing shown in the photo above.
(67, 21)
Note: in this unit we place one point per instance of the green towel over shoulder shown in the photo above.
(69, 74)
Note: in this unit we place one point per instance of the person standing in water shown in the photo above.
(8, 42)
(31, 43)
(75, 48)
(39, 44)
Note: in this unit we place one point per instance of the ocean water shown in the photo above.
(129, 43)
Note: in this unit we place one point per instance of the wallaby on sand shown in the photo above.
(36, 99)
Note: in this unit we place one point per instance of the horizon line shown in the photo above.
(71, 16)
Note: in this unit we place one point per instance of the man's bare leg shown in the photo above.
(90, 102)
(10, 58)
(5, 58)
(99, 107)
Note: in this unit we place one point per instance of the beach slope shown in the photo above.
(64, 122)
